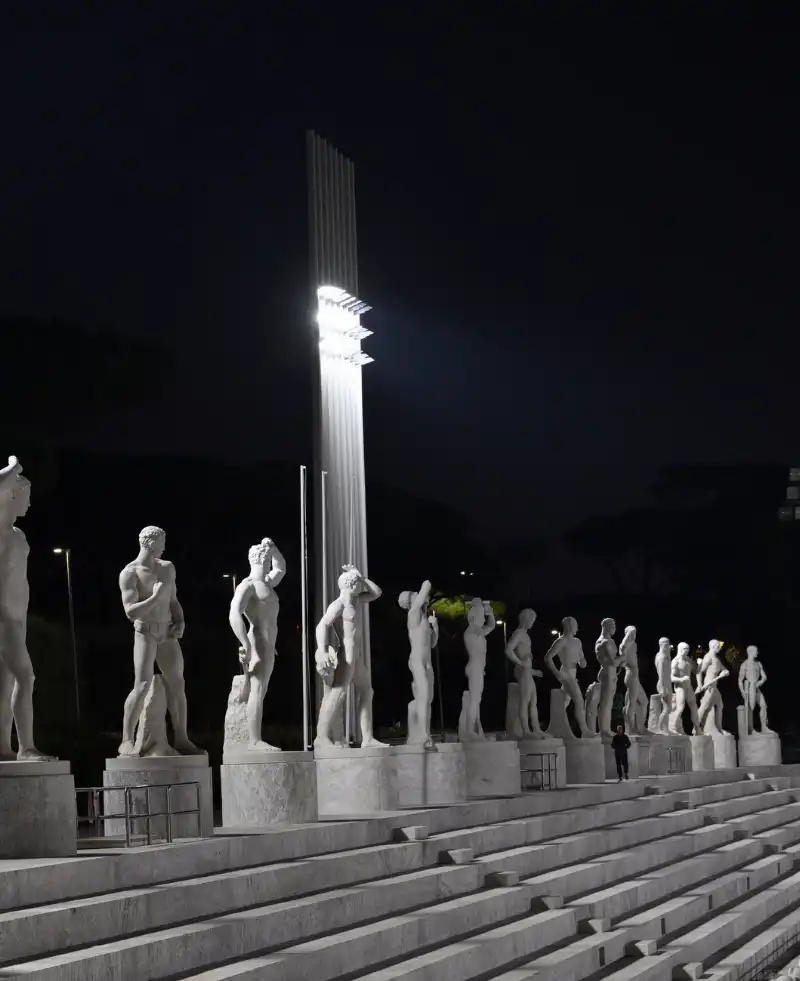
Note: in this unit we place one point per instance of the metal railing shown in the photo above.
(676, 759)
(541, 771)
(96, 813)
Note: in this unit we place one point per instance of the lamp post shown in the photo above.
(502, 623)
(231, 576)
(67, 553)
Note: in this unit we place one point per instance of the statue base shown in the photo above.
(702, 752)
(586, 760)
(37, 803)
(542, 763)
(430, 776)
(355, 782)
(492, 768)
(668, 754)
(263, 788)
(724, 750)
(150, 773)
(759, 749)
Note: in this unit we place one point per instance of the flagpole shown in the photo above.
(304, 604)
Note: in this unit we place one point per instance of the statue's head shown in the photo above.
(153, 540)
(752, 652)
(664, 645)
(608, 626)
(406, 599)
(714, 646)
(569, 626)
(350, 578)
(258, 554)
(630, 636)
(527, 618)
(683, 649)
(15, 491)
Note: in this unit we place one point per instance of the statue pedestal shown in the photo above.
(150, 774)
(353, 782)
(586, 762)
(670, 754)
(492, 768)
(37, 805)
(542, 763)
(724, 750)
(702, 752)
(262, 788)
(759, 749)
(430, 776)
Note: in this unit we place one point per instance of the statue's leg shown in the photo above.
(419, 688)
(663, 719)
(6, 715)
(332, 702)
(431, 683)
(144, 655)
(525, 681)
(259, 683)
(572, 688)
(675, 716)
(475, 695)
(18, 663)
(536, 728)
(692, 701)
(762, 708)
(170, 660)
(363, 687)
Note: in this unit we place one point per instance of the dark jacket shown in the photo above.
(620, 744)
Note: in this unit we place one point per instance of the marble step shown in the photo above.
(736, 807)
(734, 964)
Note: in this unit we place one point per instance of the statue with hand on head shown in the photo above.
(423, 634)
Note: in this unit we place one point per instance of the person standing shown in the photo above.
(621, 744)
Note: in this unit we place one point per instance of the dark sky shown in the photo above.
(578, 228)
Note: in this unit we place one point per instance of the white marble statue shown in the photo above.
(151, 732)
(337, 674)
(569, 650)
(609, 660)
(480, 623)
(751, 678)
(518, 651)
(254, 621)
(592, 702)
(16, 670)
(709, 674)
(682, 669)
(423, 634)
(664, 685)
(636, 701)
(150, 600)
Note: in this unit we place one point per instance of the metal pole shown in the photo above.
(348, 705)
(304, 603)
(439, 689)
(68, 553)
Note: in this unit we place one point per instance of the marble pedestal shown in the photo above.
(724, 750)
(354, 782)
(37, 810)
(536, 760)
(430, 776)
(585, 760)
(267, 788)
(760, 749)
(669, 754)
(635, 751)
(492, 768)
(702, 752)
(154, 772)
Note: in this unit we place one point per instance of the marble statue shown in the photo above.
(16, 669)
(254, 621)
(151, 731)
(683, 666)
(518, 651)
(609, 660)
(751, 677)
(355, 591)
(709, 674)
(150, 600)
(480, 623)
(664, 685)
(569, 650)
(592, 702)
(423, 634)
(636, 701)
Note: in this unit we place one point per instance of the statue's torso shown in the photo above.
(145, 579)
(569, 654)
(683, 668)
(475, 643)
(752, 672)
(606, 651)
(14, 591)
(419, 635)
(262, 606)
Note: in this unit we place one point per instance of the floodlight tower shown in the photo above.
(339, 502)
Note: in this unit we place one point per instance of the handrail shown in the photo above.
(95, 817)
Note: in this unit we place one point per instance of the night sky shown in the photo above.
(578, 230)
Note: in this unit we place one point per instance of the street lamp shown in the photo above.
(502, 623)
(554, 633)
(67, 553)
(228, 575)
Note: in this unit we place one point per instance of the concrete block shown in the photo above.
(586, 763)
(430, 776)
(37, 810)
(418, 832)
(280, 790)
(536, 757)
(702, 748)
(760, 749)
(492, 768)
(503, 879)
(356, 781)
(724, 750)
(457, 856)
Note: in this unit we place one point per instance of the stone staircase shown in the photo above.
(690, 876)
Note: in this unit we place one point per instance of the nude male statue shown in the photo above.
(608, 657)
(683, 666)
(150, 600)
(355, 590)
(481, 623)
(518, 651)
(423, 633)
(569, 650)
(709, 675)
(254, 620)
(664, 686)
(751, 677)
(636, 703)
(16, 670)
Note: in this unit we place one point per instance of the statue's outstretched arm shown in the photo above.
(422, 595)
(373, 591)
(491, 622)
(278, 570)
